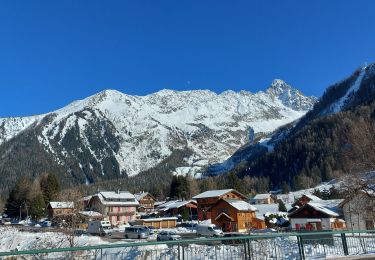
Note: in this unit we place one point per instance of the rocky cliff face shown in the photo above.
(112, 134)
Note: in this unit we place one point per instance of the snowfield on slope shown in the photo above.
(148, 128)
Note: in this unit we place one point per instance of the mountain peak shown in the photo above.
(278, 86)
(290, 96)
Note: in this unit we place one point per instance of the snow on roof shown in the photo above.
(241, 205)
(90, 213)
(87, 198)
(179, 204)
(312, 197)
(174, 204)
(159, 203)
(121, 198)
(62, 204)
(322, 208)
(117, 195)
(266, 208)
(141, 195)
(212, 193)
(166, 204)
(261, 196)
(317, 206)
(331, 203)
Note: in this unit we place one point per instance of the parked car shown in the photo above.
(152, 230)
(46, 223)
(187, 225)
(167, 235)
(209, 230)
(79, 232)
(99, 227)
(6, 221)
(137, 232)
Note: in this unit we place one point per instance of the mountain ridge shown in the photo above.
(333, 138)
(111, 134)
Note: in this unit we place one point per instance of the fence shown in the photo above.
(314, 245)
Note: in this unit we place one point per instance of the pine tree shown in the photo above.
(179, 188)
(38, 206)
(19, 198)
(233, 182)
(50, 187)
(282, 207)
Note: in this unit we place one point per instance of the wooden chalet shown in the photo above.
(208, 199)
(265, 198)
(146, 202)
(59, 208)
(179, 208)
(234, 215)
(315, 216)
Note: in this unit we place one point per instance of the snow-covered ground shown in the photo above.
(11, 239)
(292, 196)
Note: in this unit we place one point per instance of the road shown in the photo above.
(119, 236)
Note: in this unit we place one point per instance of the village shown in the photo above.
(122, 215)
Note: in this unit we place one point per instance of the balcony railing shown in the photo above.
(130, 213)
(312, 245)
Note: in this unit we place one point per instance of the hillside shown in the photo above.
(335, 137)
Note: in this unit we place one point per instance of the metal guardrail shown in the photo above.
(252, 247)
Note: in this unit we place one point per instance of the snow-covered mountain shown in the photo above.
(336, 136)
(111, 133)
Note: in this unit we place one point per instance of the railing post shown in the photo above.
(344, 244)
(178, 251)
(101, 253)
(249, 248)
(300, 248)
(245, 248)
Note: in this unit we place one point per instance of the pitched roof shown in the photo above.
(166, 204)
(120, 198)
(332, 203)
(223, 214)
(159, 203)
(266, 208)
(141, 195)
(312, 197)
(261, 196)
(215, 193)
(117, 195)
(61, 204)
(90, 213)
(174, 204)
(240, 205)
(318, 207)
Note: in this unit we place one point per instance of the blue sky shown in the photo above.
(54, 52)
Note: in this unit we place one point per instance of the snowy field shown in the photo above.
(11, 239)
